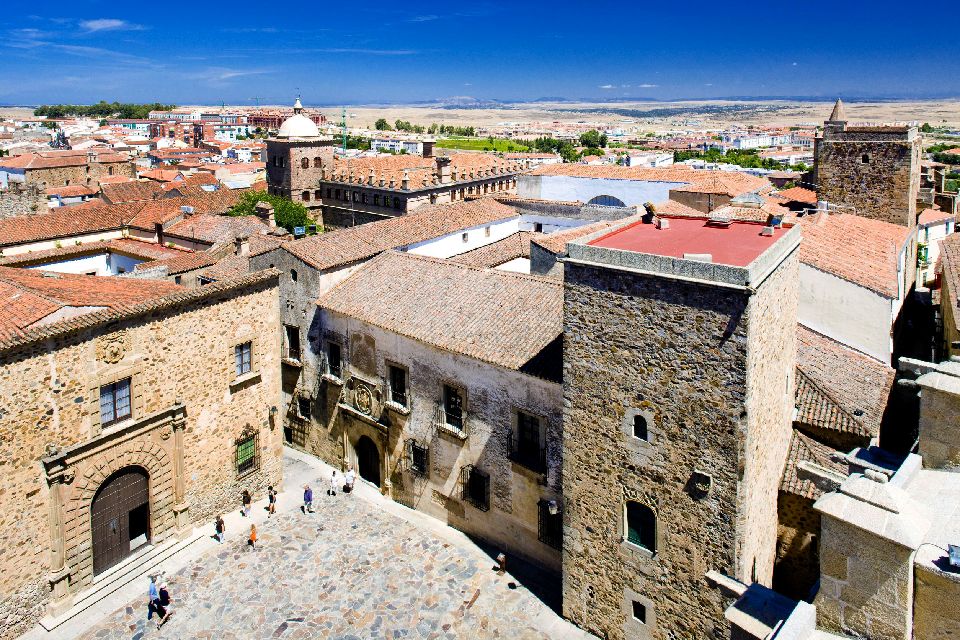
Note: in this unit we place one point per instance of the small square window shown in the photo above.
(303, 408)
(115, 402)
(865, 158)
(486, 232)
(293, 274)
(465, 237)
(639, 612)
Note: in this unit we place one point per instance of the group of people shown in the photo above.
(158, 602)
(337, 483)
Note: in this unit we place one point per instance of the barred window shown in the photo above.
(246, 454)
(115, 402)
(241, 354)
(418, 458)
(550, 530)
(303, 407)
(476, 487)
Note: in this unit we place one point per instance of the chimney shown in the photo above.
(428, 145)
(405, 181)
(264, 210)
(371, 177)
(158, 229)
(443, 170)
(241, 245)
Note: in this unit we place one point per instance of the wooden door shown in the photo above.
(120, 517)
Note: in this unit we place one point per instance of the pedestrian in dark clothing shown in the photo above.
(307, 499)
(152, 596)
(247, 500)
(220, 528)
(271, 501)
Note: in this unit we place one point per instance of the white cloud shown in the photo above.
(647, 86)
(606, 86)
(426, 18)
(108, 24)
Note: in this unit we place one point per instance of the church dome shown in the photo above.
(298, 125)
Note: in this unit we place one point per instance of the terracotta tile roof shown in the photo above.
(115, 180)
(347, 246)
(143, 305)
(217, 229)
(161, 175)
(420, 171)
(806, 449)
(69, 221)
(70, 191)
(950, 270)
(838, 388)
(495, 316)
(135, 191)
(933, 215)
(556, 242)
(799, 194)
(55, 159)
(516, 245)
(860, 250)
(166, 209)
(125, 246)
(180, 263)
(732, 183)
(29, 295)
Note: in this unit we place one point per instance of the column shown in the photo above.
(59, 577)
(181, 507)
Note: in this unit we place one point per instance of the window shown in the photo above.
(356, 196)
(304, 163)
(241, 354)
(453, 407)
(465, 237)
(527, 449)
(337, 194)
(418, 458)
(115, 402)
(203, 280)
(486, 232)
(865, 158)
(433, 198)
(328, 192)
(640, 427)
(397, 205)
(641, 526)
(376, 199)
(303, 408)
(305, 196)
(538, 227)
(398, 385)
(293, 342)
(550, 529)
(293, 275)
(476, 487)
(317, 162)
(318, 194)
(246, 454)
(334, 360)
(639, 612)
(176, 279)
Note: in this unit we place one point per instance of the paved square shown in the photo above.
(352, 570)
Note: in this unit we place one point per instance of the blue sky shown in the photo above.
(375, 51)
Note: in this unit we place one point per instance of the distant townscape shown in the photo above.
(679, 377)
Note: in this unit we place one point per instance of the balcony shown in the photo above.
(291, 356)
(528, 454)
(453, 424)
(398, 401)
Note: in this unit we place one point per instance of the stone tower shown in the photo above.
(297, 158)
(872, 171)
(679, 351)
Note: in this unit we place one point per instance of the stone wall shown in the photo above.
(876, 172)
(703, 202)
(181, 357)
(716, 397)
(939, 417)
(85, 175)
(935, 612)
(22, 202)
(493, 395)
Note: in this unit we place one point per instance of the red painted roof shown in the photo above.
(737, 245)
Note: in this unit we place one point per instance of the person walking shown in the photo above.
(334, 482)
(247, 501)
(152, 596)
(163, 605)
(252, 540)
(349, 478)
(271, 501)
(220, 527)
(307, 499)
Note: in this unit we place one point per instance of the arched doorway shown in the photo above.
(368, 460)
(120, 517)
(607, 201)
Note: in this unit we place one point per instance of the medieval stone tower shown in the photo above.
(296, 157)
(874, 171)
(679, 350)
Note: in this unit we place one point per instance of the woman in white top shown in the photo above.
(334, 482)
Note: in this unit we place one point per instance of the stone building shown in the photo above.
(296, 158)
(874, 171)
(449, 402)
(679, 351)
(360, 190)
(949, 269)
(65, 168)
(132, 410)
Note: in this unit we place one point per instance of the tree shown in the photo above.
(288, 214)
(383, 125)
(593, 139)
(926, 128)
